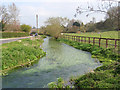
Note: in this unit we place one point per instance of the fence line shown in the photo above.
(93, 40)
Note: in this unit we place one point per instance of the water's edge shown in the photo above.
(61, 60)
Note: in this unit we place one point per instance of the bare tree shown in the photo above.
(111, 8)
(9, 16)
(4, 16)
(103, 6)
(13, 12)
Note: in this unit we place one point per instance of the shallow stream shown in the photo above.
(61, 60)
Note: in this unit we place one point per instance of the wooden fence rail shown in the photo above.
(94, 40)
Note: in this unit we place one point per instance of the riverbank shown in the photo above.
(21, 53)
(105, 76)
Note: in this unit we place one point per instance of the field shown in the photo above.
(109, 34)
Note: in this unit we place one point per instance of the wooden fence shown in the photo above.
(95, 40)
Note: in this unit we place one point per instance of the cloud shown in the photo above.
(28, 14)
(50, 8)
(57, 1)
(32, 10)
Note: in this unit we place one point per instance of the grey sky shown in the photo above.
(48, 8)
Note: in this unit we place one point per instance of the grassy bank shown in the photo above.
(21, 53)
(105, 76)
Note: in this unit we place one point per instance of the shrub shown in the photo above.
(25, 28)
(13, 34)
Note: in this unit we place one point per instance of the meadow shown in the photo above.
(108, 34)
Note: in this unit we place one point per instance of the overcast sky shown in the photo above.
(49, 8)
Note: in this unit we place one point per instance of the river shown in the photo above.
(61, 60)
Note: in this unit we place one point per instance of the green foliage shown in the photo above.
(76, 24)
(25, 28)
(13, 34)
(43, 36)
(54, 30)
(59, 84)
(105, 76)
(55, 26)
(20, 52)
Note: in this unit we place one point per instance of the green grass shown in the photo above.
(105, 76)
(20, 53)
(108, 34)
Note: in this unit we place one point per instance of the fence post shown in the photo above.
(99, 41)
(115, 43)
(93, 40)
(77, 38)
(81, 39)
(89, 39)
(85, 39)
(106, 43)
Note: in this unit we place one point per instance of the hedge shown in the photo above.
(13, 34)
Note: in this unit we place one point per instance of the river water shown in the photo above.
(61, 60)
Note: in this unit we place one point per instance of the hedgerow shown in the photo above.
(13, 34)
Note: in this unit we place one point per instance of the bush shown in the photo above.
(25, 28)
(11, 34)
